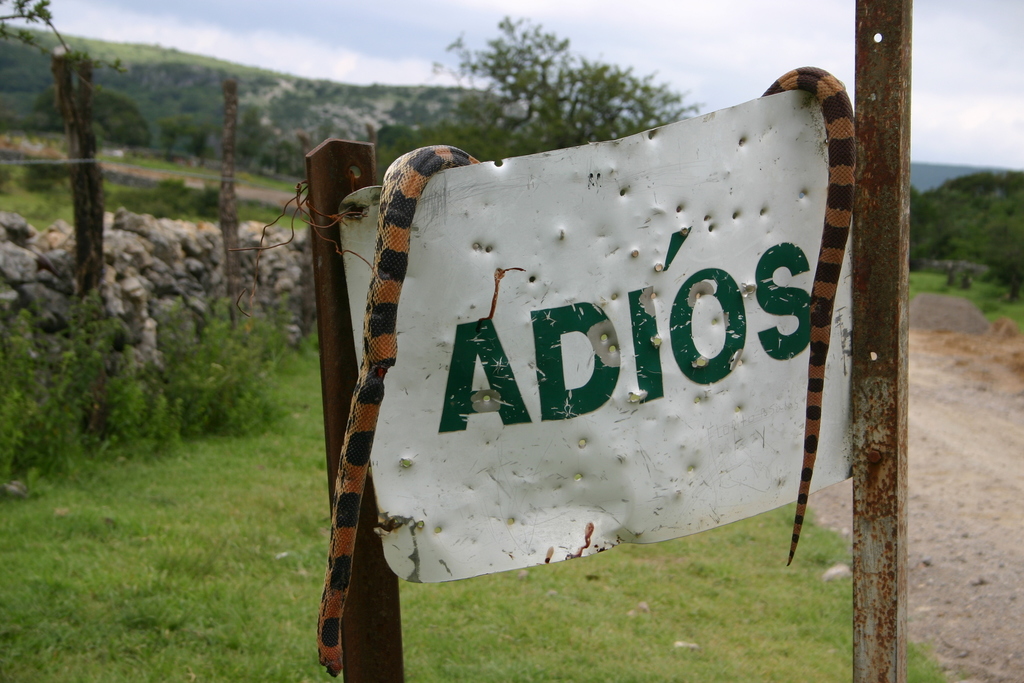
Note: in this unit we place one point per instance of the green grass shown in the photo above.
(207, 565)
(41, 208)
(990, 297)
(158, 164)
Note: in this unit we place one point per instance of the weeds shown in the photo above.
(41, 194)
(76, 393)
(221, 384)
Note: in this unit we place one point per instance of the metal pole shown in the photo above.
(880, 393)
(372, 626)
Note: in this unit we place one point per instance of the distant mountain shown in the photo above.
(926, 177)
(165, 82)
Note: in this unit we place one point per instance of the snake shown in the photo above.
(403, 184)
(842, 154)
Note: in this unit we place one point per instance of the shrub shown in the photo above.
(73, 394)
(219, 383)
(168, 198)
(51, 384)
(45, 177)
(173, 198)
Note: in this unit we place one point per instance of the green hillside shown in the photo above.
(184, 90)
(167, 84)
(924, 176)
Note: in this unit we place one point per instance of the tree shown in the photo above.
(1006, 254)
(251, 136)
(536, 95)
(199, 136)
(173, 128)
(30, 12)
(283, 157)
(7, 117)
(116, 117)
(38, 12)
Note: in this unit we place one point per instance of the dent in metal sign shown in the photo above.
(643, 376)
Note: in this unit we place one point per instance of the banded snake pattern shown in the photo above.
(403, 184)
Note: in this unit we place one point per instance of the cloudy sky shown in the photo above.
(968, 57)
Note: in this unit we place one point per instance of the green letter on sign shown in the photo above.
(557, 402)
(695, 366)
(646, 344)
(783, 301)
(480, 340)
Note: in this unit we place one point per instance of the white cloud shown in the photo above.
(968, 88)
(983, 131)
(271, 48)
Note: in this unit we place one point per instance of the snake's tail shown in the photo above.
(348, 493)
(838, 114)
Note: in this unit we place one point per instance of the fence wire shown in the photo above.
(117, 165)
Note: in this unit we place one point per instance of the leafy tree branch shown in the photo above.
(38, 12)
(527, 92)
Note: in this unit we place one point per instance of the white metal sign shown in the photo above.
(642, 377)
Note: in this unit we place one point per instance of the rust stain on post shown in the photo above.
(371, 628)
(880, 394)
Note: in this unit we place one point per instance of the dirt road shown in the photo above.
(20, 148)
(243, 190)
(966, 503)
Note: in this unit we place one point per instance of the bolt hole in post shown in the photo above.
(874, 356)
(355, 171)
(878, 37)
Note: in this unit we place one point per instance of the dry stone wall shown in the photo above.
(152, 264)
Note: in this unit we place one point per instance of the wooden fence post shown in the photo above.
(75, 107)
(228, 204)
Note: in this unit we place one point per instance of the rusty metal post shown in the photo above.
(880, 392)
(372, 627)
